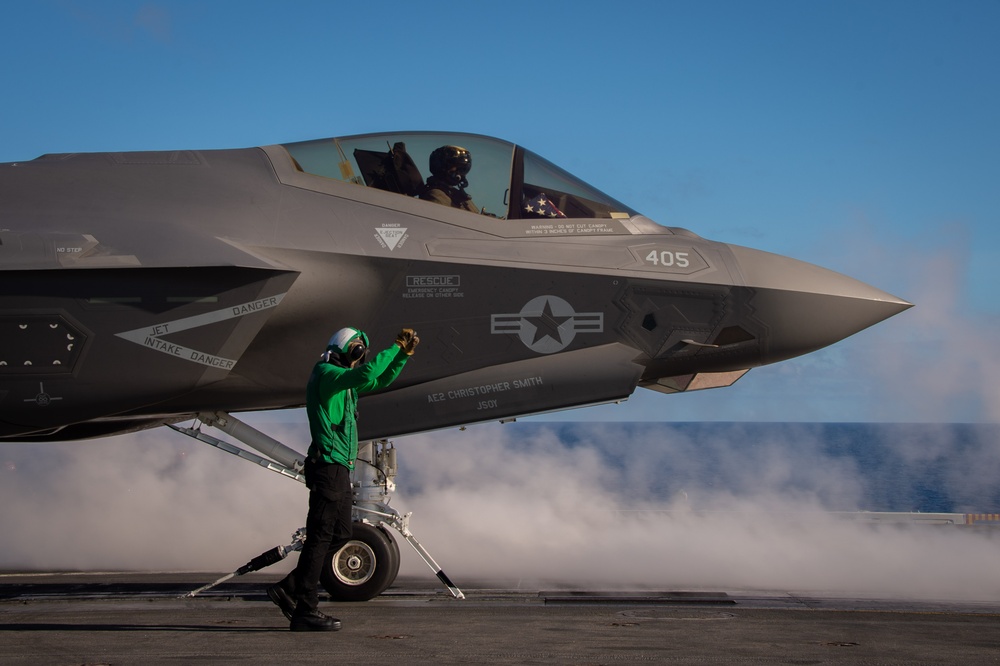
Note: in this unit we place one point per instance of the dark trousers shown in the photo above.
(328, 526)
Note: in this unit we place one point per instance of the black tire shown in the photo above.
(395, 558)
(363, 567)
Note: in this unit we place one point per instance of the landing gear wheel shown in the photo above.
(395, 560)
(363, 567)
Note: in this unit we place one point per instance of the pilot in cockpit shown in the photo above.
(449, 167)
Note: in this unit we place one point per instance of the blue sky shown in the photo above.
(861, 136)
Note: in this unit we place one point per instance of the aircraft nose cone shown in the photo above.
(805, 307)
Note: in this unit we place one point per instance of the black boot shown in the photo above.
(282, 594)
(313, 620)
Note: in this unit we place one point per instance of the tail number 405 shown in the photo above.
(669, 258)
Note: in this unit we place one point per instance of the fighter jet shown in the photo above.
(140, 289)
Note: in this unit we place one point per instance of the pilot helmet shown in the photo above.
(451, 164)
(347, 346)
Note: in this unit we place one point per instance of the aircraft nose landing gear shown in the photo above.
(366, 565)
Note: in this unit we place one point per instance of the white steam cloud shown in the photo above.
(148, 501)
(529, 507)
(589, 505)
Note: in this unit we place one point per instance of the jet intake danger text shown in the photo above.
(262, 304)
(151, 337)
(485, 390)
(188, 354)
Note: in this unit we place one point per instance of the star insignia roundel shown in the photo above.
(547, 324)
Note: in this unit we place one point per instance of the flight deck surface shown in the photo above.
(110, 618)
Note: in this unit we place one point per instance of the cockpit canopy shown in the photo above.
(504, 180)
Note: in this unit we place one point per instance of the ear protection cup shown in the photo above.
(356, 351)
(348, 345)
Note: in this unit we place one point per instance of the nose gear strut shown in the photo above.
(373, 479)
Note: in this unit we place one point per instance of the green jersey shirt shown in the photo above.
(332, 403)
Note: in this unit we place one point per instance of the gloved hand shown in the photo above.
(407, 340)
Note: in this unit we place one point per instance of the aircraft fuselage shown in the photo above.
(142, 288)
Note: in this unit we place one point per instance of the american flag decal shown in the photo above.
(542, 206)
